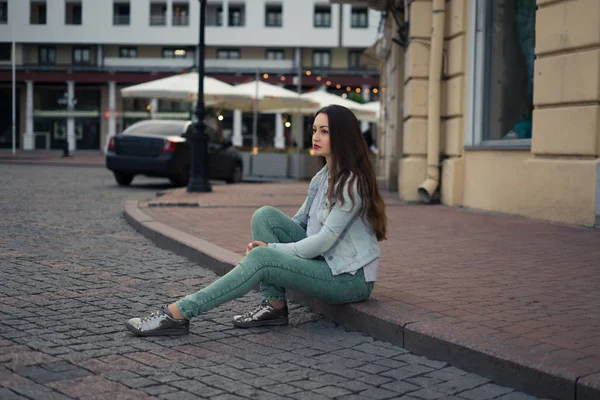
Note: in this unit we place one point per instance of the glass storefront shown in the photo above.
(51, 115)
(6, 118)
(135, 110)
(87, 133)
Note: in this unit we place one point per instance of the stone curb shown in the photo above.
(399, 328)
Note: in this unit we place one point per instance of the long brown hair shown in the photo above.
(350, 159)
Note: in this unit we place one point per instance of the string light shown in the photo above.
(265, 76)
(344, 95)
(308, 73)
(357, 90)
(282, 78)
(338, 86)
(328, 83)
(220, 118)
(288, 124)
(319, 78)
(348, 88)
(375, 90)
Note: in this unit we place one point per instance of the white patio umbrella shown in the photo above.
(268, 97)
(323, 98)
(184, 87)
(375, 107)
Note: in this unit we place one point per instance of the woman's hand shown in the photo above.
(253, 244)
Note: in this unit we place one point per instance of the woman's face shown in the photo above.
(320, 137)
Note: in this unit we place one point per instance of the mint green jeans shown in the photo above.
(276, 271)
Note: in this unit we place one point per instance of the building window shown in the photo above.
(228, 54)
(321, 59)
(3, 12)
(128, 52)
(158, 14)
(37, 13)
(73, 13)
(81, 55)
(181, 14)
(176, 53)
(275, 55)
(237, 15)
(273, 15)
(501, 103)
(121, 13)
(359, 17)
(47, 55)
(5, 51)
(322, 17)
(354, 59)
(214, 15)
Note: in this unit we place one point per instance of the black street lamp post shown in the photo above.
(199, 181)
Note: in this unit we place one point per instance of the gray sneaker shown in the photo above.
(158, 323)
(263, 315)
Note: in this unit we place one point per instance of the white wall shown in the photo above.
(359, 37)
(97, 26)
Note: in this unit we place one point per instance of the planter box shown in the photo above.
(280, 165)
(270, 165)
(303, 166)
(246, 160)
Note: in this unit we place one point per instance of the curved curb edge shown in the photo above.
(399, 331)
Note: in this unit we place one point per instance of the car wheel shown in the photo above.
(122, 178)
(236, 174)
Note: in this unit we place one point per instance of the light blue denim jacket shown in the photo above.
(344, 240)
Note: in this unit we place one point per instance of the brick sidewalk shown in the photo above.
(515, 299)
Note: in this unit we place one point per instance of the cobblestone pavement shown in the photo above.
(72, 271)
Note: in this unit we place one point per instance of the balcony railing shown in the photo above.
(213, 66)
(181, 20)
(121, 19)
(58, 67)
(148, 63)
(248, 65)
(158, 20)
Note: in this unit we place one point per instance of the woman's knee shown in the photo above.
(257, 261)
(257, 256)
(264, 213)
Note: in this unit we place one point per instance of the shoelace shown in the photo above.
(257, 309)
(152, 315)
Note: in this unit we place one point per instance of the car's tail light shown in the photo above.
(169, 147)
(111, 144)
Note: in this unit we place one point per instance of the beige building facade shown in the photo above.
(519, 106)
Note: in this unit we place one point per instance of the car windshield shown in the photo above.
(156, 128)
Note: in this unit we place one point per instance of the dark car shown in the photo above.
(159, 148)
